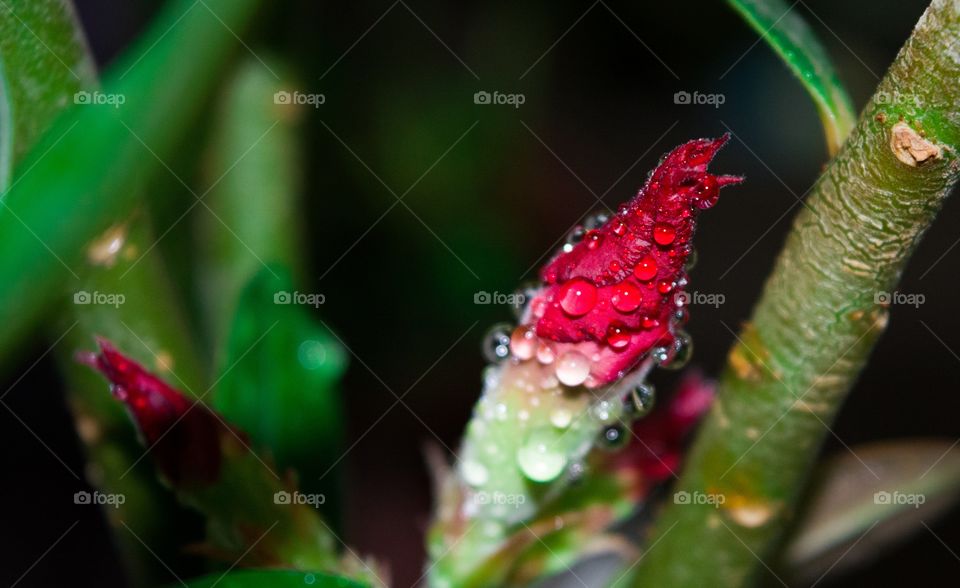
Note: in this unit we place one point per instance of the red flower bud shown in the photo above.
(617, 294)
(182, 434)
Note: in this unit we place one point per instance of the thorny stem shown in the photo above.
(817, 321)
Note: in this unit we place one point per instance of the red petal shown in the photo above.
(613, 296)
(181, 434)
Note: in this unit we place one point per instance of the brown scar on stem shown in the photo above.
(911, 148)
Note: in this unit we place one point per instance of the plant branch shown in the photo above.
(819, 317)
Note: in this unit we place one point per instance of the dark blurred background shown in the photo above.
(502, 186)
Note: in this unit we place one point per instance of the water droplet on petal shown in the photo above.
(577, 297)
(617, 336)
(619, 229)
(593, 239)
(664, 287)
(706, 192)
(664, 234)
(646, 269)
(545, 353)
(523, 343)
(572, 368)
(626, 297)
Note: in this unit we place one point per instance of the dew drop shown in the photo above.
(664, 234)
(496, 343)
(593, 239)
(538, 459)
(572, 368)
(561, 418)
(650, 323)
(615, 437)
(617, 336)
(646, 269)
(706, 192)
(626, 297)
(619, 228)
(523, 343)
(640, 401)
(682, 352)
(577, 297)
(545, 353)
(596, 220)
(474, 473)
(603, 411)
(664, 287)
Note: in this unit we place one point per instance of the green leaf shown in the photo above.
(272, 579)
(872, 496)
(789, 35)
(256, 170)
(43, 62)
(80, 178)
(284, 391)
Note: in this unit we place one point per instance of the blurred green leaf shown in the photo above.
(872, 496)
(257, 177)
(789, 35)
(80, 178)
(284, 391)
(272, 579)
(43, 62)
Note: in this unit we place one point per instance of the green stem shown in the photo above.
(818, 320)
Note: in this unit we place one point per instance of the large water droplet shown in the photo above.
(496, 343)
(474, 473)
(664, 234)
(545, 353)
(639, 402)
(577, 297)
(524, 342)
(646, 269)
(705, 192)
(539, 459)
(617, 336)
(572, 368)
(561, 418)
(626, 297)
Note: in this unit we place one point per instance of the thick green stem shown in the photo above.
(822, 311)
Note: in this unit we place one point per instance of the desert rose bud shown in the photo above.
(570, 378)
(616, 296)
(183, 436)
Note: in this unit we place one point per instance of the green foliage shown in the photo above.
(787, 33)
(43, 62)
(272, 578)
(279, 377)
